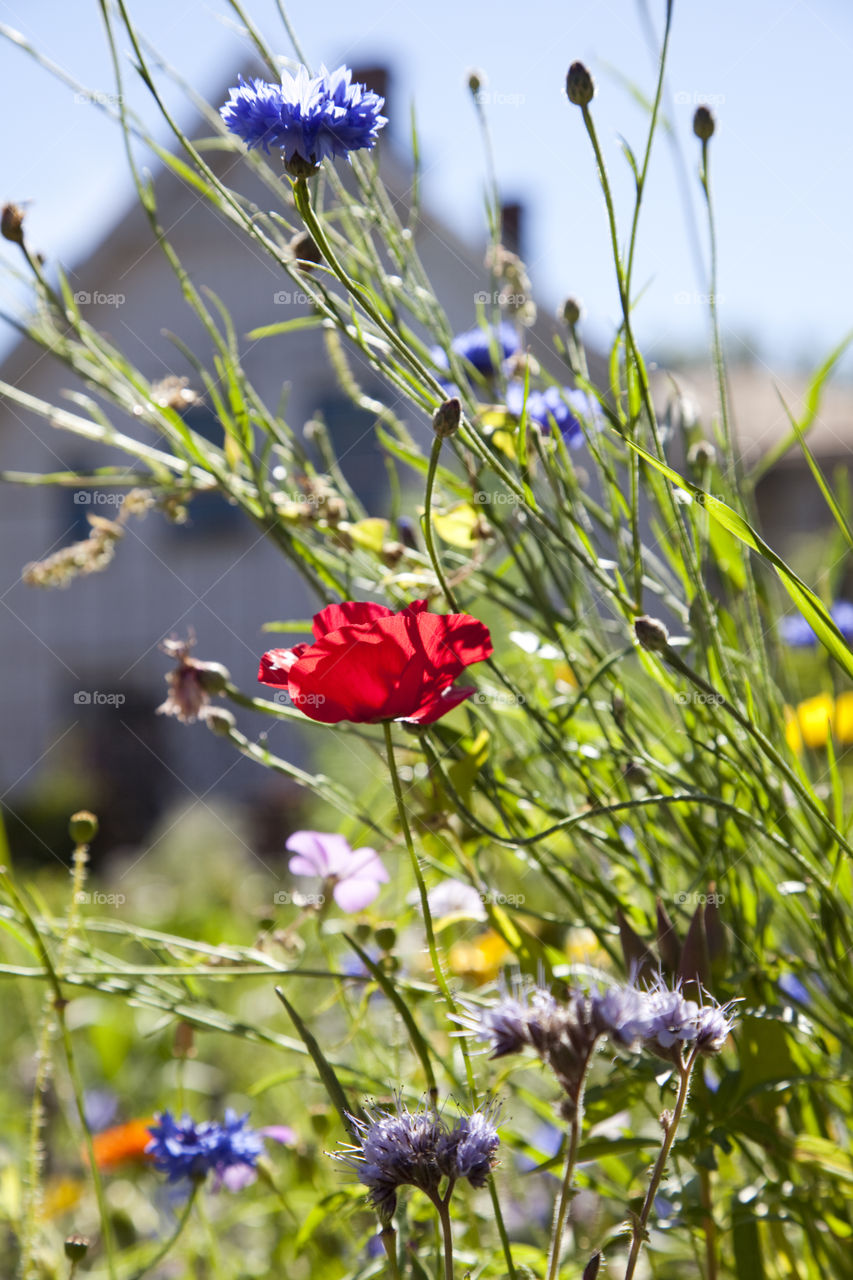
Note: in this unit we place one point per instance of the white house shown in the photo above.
(82, 672)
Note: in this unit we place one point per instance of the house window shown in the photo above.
(352, 432)
(209, 514)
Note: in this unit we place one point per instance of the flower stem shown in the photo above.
(671, 1125)
(173, 1238)
(561, 1207)
(422, 890)
(443, 1207)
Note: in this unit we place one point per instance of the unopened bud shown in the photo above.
(220, 720)
(572, 312)
(704, 123)
(299, 167)
(386, 936)
(580, 86)
(590, 1271)
(476, 79)
(445, 420)
(12, 223)
(391, 553)
(651, 633)
(305, 251)
(702, 455)
(76, 1247)
(212, 676)
(83, 827)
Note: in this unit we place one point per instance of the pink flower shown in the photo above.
(354, 875)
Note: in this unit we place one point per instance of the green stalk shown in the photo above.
(440, 975)
(173, 1238)
(638, 1233)
(561, 1207)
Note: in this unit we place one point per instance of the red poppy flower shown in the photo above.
(369, 664)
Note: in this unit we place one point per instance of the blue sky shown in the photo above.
(776, 72)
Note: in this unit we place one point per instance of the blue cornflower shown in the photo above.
(478, 347)
(417, 1149)
(307, 117)
(798, 634)
(184, 1149)
(563, 407)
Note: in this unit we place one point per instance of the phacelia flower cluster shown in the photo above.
(565, 1033)
(420, 1149)
(308, 118)
(183, 1149)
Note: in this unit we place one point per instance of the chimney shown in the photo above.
(512, 226)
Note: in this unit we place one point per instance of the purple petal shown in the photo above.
(237, 1176)
(355, 894)
(279, 1133)
(364, 864)
(317, 852)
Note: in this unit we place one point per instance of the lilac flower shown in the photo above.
(798, 634)
(353, 874)
(563, 407)
(184, 1149)
(404, 1148)
(307, 117)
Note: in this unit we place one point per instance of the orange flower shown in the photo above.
(480, 960)
(121, 1143)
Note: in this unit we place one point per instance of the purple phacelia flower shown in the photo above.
(417, 1148)
(675, 1023)
(308, 118)
(621, 1014)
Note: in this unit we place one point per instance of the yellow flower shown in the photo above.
(582, 948)
(481, 960)
(812, 721)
